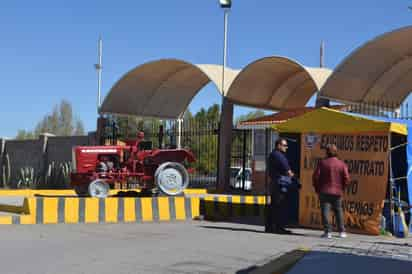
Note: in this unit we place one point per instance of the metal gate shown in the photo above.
(241, 160)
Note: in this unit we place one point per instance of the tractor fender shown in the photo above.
(172, 155)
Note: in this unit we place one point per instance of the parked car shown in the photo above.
(203, 181)
(236, 175)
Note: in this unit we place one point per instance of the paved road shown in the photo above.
(196, 247)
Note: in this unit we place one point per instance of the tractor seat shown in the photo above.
(145, 145)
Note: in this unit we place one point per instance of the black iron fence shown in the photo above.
(241, 160)
(382, 109)
(202, 139)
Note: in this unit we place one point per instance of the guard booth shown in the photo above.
(365, 145)
(263, 142)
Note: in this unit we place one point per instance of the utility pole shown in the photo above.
(101, 121)
(98, 68)
(322, 54)
(321, 102)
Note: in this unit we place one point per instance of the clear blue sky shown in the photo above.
(48, 48)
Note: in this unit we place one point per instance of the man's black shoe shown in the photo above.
(269, 230)
(283, 231)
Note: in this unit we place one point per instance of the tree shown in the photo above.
(24, 135)
(130, 126)
(250, 115)
(65, 120)
(59, 122)
(79, 128)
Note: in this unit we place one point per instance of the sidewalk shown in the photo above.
(376, 258)
(356, 254)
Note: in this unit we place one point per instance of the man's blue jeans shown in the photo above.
(326, 202)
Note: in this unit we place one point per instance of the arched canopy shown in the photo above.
(162, 88)
(276, 83)
(379, 71)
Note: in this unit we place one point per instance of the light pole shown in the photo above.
(225, 5)
(226, 115)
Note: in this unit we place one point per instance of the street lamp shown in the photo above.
(225, 5)
(225, 128)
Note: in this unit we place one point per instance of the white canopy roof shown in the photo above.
(165, 88)
(379, 71)
(277, 83)
(162, 88)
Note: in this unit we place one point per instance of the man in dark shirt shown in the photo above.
(279, 171)
(329, 180)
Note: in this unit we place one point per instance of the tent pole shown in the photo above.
(391, 185)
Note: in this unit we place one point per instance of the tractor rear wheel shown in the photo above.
(171, 178)
(99, 189)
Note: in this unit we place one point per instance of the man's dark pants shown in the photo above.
(334, 201)
(276, 215)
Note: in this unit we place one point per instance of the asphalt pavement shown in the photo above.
(194, 247)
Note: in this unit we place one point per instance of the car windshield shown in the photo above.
(248, 174)
(234, 171)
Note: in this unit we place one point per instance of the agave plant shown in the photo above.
(58, 175)
(6, 172)
(27, 178)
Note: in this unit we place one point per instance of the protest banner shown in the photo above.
(366, 155)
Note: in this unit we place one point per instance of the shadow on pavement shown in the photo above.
(232, 228)
(394, 244)
(318, 262)
(278, 265)
(247, 230)
(339, 263)
(129, 193)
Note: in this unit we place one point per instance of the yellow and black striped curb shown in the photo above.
(223, 207)
(53, 210)
(108, 210)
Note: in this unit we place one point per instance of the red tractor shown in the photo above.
(97, 168)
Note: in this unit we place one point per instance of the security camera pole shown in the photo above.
(226, 116)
